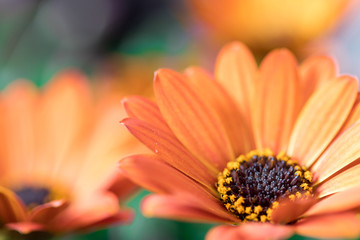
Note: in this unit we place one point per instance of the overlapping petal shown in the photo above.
(341, 153)
(47, 211)
(236, 70)
(171, 150)
(354, 115)
(314, 72)
(342, 225)
(342, 201)
(176, 183)
(276, 103)
(25, 227)
(198, 119)
(346, 179)
(251, 231)
(144, 109)
(321, 119)
(180, 209)
(215, 96)
(11, 209)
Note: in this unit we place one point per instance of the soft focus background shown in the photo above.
(125, 41)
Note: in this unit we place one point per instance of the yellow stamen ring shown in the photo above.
(251, 185)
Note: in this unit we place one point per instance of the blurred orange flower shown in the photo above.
(58, 153)
(264, 24)
(302, 120)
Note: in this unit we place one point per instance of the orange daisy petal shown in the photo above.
(343, 151)
(144, 109)
(176, 183)
(342, 225)
(341, 201)
(250, 231)
(170, 150)
(18, 131)
(121, 217)
(47, 211)
(11, 210)
(231, 118)
(122, 187)
(290, 210)
(276, 103)
(191, 118)
(236, 70)
(223, 232)
(179, 209)
(25, 227)
(66, 100)
(151, 166)
(86, 211)
(321, 119)
(354, 115)
(314, 72)
(345, 180)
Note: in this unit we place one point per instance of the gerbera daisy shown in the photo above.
(58, 153)
(268, 151)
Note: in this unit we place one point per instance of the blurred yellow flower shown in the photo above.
(58, 153)
(267, 24)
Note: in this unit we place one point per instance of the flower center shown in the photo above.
(33, 196)
(251, 185)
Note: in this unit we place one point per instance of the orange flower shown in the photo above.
(266, 24)
(58, 153)
(303, 175)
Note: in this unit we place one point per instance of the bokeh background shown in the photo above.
(124, 42)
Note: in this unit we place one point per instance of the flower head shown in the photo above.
(267, 151)
(58, 153)
(267, 24)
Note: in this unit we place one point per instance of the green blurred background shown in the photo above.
(39, 38)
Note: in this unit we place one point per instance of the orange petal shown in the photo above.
(105, 139)
(192, 119)
(314, 72)
(165, 145)
(341, 201)
(25, 227)
(178, 209)
(44, 213)
(122, 217)
(276, 103)
(236, 128)
(345, 180)
(250, 231)
(343, 151)
(354, 115)
(122, 187)
(290, 210)
(85, 211)
(142, 169)
(19, 103)
(11, 209)
(342, 225)
(144, 109)
(223, 232)
(236, 70)
(63, 117)
(321, 119)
